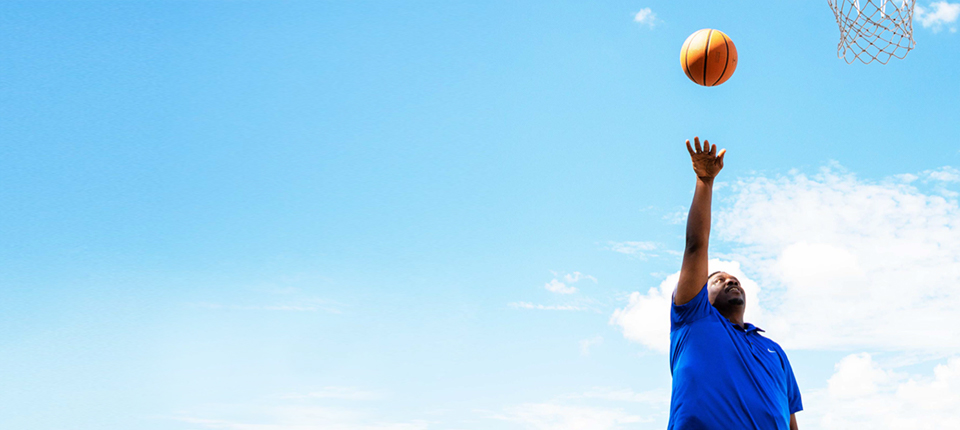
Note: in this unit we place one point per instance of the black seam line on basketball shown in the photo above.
(725, 62)
(686, 62)
(706, 56)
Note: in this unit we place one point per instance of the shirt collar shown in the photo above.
(749, 327)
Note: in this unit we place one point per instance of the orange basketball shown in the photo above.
(708, 57)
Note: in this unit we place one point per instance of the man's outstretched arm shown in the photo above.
(693, 272)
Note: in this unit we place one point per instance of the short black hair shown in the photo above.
(714, 273)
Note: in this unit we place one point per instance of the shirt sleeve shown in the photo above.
(696, 308)
(793, 391)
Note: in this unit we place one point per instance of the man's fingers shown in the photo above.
(689, 148)
(712, 148)
(696, 143)
(720, 156)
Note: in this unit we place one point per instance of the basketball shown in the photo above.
(708, 57)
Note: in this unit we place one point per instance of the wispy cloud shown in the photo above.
(679, 216)
(557, 286)
(559, 283)
(943, 174)
(577, 276)
(938, 15)
(635, 248)
(646, 17)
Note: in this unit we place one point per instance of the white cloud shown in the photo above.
(679, 216)
(857, 376)
(560, 287)
(646, 319)
(862, 394)
(938, 15)
(554, 416)
(943, 174)
(646, 17)
(906, 178)
(527, 305)
(576, 276)
(586, 344)
(555, 286)
(637, 249)
(847, 263)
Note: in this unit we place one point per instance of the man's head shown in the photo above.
(725, 293)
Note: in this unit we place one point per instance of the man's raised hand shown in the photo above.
(693, 271)
(706, 161)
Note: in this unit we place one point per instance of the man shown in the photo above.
(726, 375)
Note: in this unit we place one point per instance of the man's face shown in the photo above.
(725, 291)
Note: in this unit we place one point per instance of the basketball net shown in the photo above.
(873, 30)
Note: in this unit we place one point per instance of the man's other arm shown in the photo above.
(793, 422)
(693, 272)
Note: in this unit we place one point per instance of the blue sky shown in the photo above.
(452, 215)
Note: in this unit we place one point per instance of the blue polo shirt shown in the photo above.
(726, 377)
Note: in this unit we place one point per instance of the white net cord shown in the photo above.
(873, 30)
